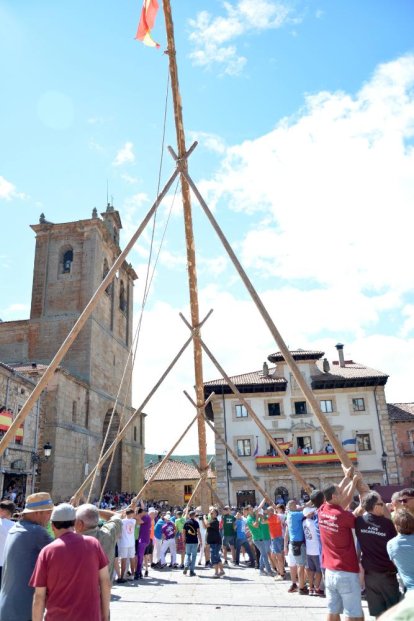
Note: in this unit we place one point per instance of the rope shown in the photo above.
(147, 286)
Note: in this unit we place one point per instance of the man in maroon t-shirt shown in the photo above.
(71, 577)
(343, 591)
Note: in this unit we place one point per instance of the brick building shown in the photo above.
(176, 482)
(350, 394)
(71, 259)
(402, 425)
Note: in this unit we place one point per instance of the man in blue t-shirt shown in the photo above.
(241, 539)
(295, 537)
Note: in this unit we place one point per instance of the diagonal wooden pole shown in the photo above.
(306, 390)
(197, 486)
(190, 245)
(254, 417)
(123, 431)
(80, 322)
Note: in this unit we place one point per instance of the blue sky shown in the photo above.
(304, 113)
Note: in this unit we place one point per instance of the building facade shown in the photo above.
(94, 378)
(351, 396)
(402, 425)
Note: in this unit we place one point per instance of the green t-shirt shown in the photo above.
(264, 526)
(255, 531)
(228, 525)
(179, 524)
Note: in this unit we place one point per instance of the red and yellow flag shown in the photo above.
(146, 23)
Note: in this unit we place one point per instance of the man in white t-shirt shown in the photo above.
(313, 567)
(126, 544)
(7, 508)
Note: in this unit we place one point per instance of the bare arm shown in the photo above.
(39, 603)
(348, 476)
(349, 491)
(106, 514)
(261, 504)
(105, 587)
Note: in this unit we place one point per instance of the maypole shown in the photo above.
(191, 256)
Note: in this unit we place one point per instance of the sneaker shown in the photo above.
(146, 573)
(319, 593)
(222, 573)
(207, 564)
(226, 562)
(121, 581)
(182, 566)
(215, 576)
(278, 577)
(293, 588)
(192, 573)
(185, 571)
(304, 591)
(311, 592)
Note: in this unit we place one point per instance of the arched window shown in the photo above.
(122, 297)
(67, 261)
(105, 271)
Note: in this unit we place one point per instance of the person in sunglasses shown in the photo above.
(373, 530)
(405, 500)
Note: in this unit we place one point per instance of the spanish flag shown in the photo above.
(146, 23)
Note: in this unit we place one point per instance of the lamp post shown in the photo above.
(38, 459)
(384, 458)
(229, 467)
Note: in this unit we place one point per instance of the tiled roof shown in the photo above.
(298, 354)
(254, 377)
(28, 368)
(400, 412)
(174, 470)
(349, 371)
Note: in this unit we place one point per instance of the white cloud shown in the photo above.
(211, 36)
(129, 179)
(211, 142)
(8, 190)
(125, 155)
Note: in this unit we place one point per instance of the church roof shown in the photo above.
(401, 412)
(174, 470)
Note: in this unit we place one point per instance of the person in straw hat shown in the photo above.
(24, 543)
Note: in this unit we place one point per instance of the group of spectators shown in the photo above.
(65, 558)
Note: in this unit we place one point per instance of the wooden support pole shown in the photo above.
(123, 431)
(80, 322)
(162, 462)
(306, 390)
(197, 486)
(256, 419)
(232, 453)
(190, 245)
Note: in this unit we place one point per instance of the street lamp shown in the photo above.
(384, 458)
(38, 459)
(229, 466)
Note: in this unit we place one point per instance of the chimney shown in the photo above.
(340, 349)
(34, 365)
(159, 457)
(265, 369)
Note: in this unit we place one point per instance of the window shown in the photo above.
(300, 407)
(272, 450)
(67, 261)
(105, 271)
(74, 412)
(244, 448)
(188, 490)
(241, 411)
(358, 405)
(273, 409)
(122, 297)
(304, 442)
(135, 434)
(326, 406)
(363, 442)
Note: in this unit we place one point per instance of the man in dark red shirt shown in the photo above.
(339, 558)
(71, 577)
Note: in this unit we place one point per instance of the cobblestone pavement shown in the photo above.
(241, 594)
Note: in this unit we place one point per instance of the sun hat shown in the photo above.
(38, 502)
(63, 513)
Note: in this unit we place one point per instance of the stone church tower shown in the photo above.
(71, 259)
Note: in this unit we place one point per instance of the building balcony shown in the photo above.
(316, 459)
(406, 448)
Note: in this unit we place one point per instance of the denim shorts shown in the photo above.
(229, 540)
(277, 545)
(343, 593)
(300, 559)
(215, 553)
(313, 563)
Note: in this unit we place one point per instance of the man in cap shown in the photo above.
(71, 576)
(87, 523)
(24, 542)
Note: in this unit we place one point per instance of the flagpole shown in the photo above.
(190, 246)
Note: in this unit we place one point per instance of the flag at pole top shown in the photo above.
(146, 23)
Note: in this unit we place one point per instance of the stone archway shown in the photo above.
(114, 482)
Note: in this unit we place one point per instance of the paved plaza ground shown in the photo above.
(241, 594)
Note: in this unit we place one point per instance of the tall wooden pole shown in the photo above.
(191, 257)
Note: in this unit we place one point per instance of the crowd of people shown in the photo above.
(66, 558)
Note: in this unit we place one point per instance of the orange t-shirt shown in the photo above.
(275, 526)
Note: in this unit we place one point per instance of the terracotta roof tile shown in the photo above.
(298, 354)
(400, 412)
(254, 377)
(174, 470)
(351, 370)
